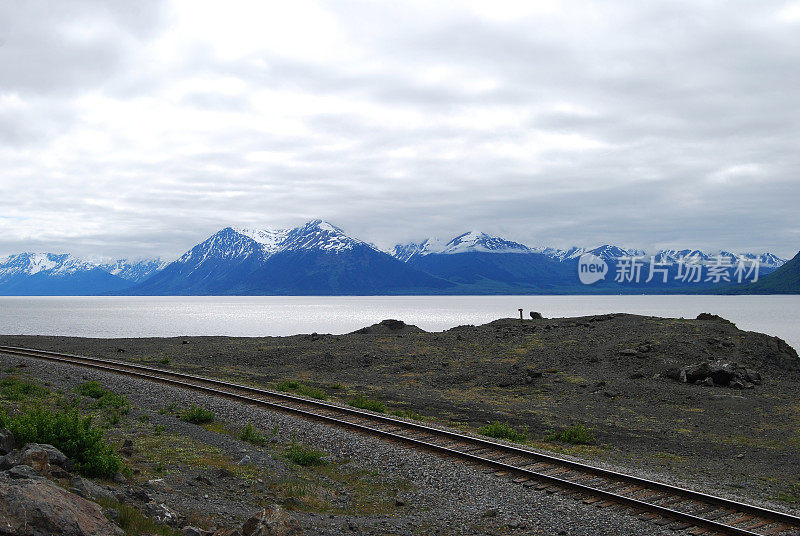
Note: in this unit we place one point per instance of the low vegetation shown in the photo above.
(251, 435)
(576, 434)
(362, 402)
(197, 415)
(301, 389)
(408, 414)
(16, 389)
(108, 400)
(134, 522)
(503, 430)
(71, 433)
(297, 453)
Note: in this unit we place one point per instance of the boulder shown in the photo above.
(88, 489)
(695, 373)
(536, 316)
(6, 441)
(722, 373)
(35, 505)
(271, 521)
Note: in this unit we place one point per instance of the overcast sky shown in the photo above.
(140, 128)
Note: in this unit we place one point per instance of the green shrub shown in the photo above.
(113, 401)
(362, 402)
(164, 361)
(72, 434)
(197, 415)
(288, 385)
(576, 434)
(503, 430)
(134, 522)
(251, 435)
(301, 455)
(15, 389)
(91, 389)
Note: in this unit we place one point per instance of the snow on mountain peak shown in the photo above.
(472, 241)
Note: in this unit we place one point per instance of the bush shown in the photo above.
(577, 434)
(251, 435)
(197, 415)
(15, 389)
(106, 399)
(300, 455)
(91, 389)
(362, 402)
(70, 433)
(503, 430)
(164, 361)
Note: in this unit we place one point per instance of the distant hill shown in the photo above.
(784, 280)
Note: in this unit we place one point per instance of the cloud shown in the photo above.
(133, 129)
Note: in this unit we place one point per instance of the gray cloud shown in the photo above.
(140, 128)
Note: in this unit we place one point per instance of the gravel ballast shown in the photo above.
(446, 497)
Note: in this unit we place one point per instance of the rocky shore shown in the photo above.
(691, 401)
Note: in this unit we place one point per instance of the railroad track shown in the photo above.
(677, 508)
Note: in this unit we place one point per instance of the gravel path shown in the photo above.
(449, 498)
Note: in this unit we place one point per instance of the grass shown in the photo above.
(71, 433)
(300, 455)
(503, 430)
(106, 399)
(362, 402)
(301, 389)
(197, 415)
(577, 434)
(251, 435)
(790, 495)
(15, 389)
(134, 522)
(408, 414)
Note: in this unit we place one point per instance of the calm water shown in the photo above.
(278, 315)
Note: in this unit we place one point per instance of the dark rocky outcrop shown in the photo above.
(716, 373)
(389, 326)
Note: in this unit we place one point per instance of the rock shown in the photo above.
(227, 532)
(491, 512)
(709, 316)
(708, 382)
(245, 460)
(33, 506)
(695, 373)
(722, 373)
(673, 373)
(163, 514)
(37, 459)
(536, 316)
(192, 531)
(127, 448)
(399, 502)
(6, 441)
(752, 376)
(637, 375)
(271, 521)
(292, 502)
(88, 489)
(223, 473)
(644, 348)
(119, 478)
(112, 514)
(628, 352)
(23, 471)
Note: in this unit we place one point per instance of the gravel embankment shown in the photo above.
(447, 498)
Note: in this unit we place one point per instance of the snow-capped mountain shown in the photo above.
(320, 235)
(470, 242)
(50, 264)
(26, 274)
(560, 255)
(315, 258)
(134, 270)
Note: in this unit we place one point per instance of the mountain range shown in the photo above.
(319, 258)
